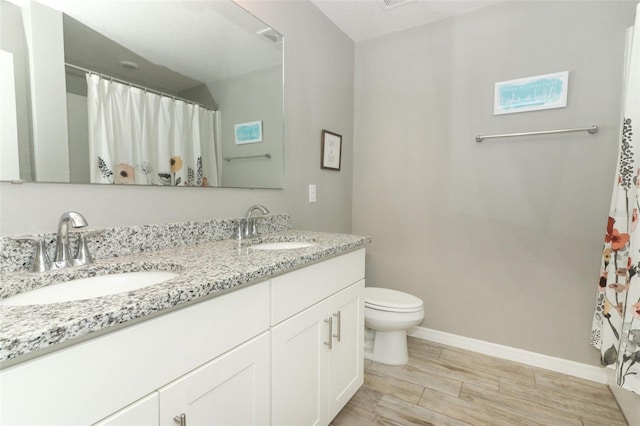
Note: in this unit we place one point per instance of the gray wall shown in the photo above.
(78, 124)
(239, 104)
(318, 94)
(502, 240)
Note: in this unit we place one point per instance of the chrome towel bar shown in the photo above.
(591, 130)
(247, 156)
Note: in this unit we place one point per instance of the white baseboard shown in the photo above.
(572, 368)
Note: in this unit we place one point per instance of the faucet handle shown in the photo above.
(245, 224)
(254, 229)
(239, 227)
(83, 255)
(41, 261)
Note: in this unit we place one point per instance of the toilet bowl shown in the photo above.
(388, 314)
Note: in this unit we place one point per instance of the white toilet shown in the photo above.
(388, 314)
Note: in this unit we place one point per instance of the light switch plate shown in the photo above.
(312, 193)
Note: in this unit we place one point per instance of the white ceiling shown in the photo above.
(365, 19)
(156, 31)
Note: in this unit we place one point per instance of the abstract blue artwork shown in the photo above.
(248, 132)
(531, 93)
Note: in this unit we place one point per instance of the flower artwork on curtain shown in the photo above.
(616, 321)
(137, 137)
(126, 174)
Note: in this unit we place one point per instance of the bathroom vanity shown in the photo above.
(256, 337)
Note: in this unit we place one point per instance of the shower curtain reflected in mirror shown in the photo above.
(616, 322)
(138, 137)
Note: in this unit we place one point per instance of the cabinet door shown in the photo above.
(346, 368)
(298, 360)
(233, 389)
(141, 413)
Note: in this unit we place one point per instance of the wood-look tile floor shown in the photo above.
(442, 385)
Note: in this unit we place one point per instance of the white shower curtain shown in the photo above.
(139, 137)
(616, 322)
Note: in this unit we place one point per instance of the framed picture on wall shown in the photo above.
(248, 132)
(531, 93)
(331, 150)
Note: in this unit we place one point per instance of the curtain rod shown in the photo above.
(146, 89)
(591, 130)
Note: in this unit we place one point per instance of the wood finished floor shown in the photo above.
(442, 385)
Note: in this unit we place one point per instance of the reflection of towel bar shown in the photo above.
(591, 130)
(247, 156)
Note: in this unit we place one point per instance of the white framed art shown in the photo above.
(250, 132)
(531, 93)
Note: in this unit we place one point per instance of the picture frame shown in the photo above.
(331, 152)
(250, 132)
(535, 93)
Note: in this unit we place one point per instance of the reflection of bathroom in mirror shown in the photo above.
(143, 92)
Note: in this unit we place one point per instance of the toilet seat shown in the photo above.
(385, 299)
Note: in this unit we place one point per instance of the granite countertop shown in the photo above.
(205, 270)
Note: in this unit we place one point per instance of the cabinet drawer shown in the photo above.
(293, 292)
(85, 382)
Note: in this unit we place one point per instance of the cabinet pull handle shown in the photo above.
(338, 316)
(330, 342)
(181, 419)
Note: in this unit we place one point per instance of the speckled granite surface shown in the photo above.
(122, 241)
(205, 269)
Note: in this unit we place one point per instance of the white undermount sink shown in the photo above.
(282, 245)
(88, 288)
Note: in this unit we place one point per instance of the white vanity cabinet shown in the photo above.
(255, 356)
(141, 413)
(87, 382)
(345, 368)
(232, 390)
(317, 340)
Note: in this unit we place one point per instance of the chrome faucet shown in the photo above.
(249, 224)
(62, 257)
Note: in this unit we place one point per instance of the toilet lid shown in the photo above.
(385, 299)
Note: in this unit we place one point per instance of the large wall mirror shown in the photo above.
(176, 93)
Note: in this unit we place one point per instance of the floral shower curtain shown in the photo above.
(137, 137)
(616, 322)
